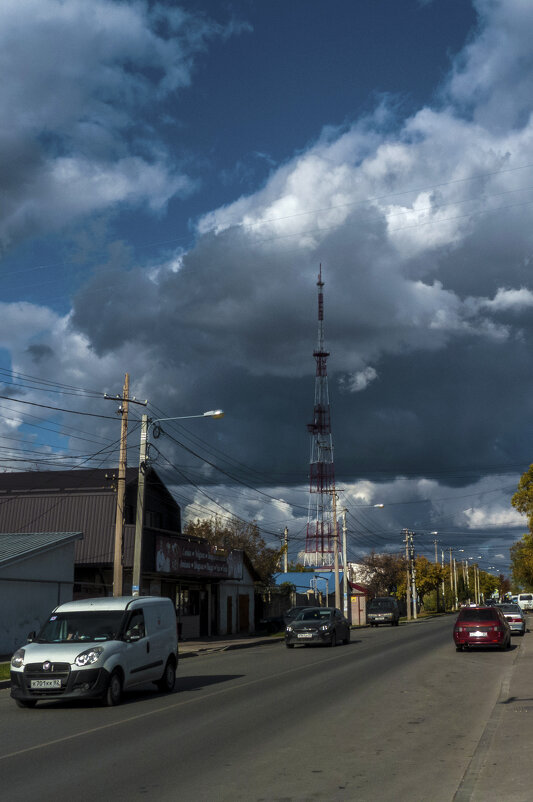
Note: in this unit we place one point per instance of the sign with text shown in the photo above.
(176, 556)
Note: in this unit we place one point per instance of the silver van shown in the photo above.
(96, 648)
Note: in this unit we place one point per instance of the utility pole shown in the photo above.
(121, 491)
(413, 577)
(455, 583)
(141, 486)
(285, 550)
(451, 580)
(139, 517)
(336, 552)
(436, 563)
(347, 607)
(443, 586)
(408, 578)
(121, 482)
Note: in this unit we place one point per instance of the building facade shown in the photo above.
(186, 569)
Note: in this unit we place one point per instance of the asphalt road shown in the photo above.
(395, 715)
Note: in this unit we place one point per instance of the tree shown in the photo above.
(237, 534)
(488, 583)
(522, 550)
(522, 562)
(523, 498)
(428, 576)
(383, 574)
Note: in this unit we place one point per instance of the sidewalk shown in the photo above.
(501, 767)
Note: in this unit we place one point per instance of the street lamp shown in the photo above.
(139, 517)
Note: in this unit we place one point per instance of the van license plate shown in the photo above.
(45, 683)
(306, 635)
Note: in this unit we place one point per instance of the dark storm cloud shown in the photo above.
(424, 234)
(80, 85)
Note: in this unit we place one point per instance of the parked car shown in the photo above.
(515, 616)
(95, 648)
(325, 625)
(290, 614)
(525, 600)
(481, 626)
(383, 610)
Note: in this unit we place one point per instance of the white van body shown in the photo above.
(525, 600)
(96, 648)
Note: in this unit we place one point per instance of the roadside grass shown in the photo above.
(4, 671)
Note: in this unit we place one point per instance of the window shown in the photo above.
(135, 629)
(472, 614)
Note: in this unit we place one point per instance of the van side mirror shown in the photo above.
(31, 637)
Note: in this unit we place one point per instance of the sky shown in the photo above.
(173, 176)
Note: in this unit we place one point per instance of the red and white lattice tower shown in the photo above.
(321, 519)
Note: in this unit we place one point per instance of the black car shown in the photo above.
(325, 625)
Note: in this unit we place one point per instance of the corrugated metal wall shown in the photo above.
(90, 513)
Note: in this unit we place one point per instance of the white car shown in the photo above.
(96, 648)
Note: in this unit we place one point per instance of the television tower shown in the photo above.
(321, 540)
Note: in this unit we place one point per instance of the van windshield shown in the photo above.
(76, 627)
(381, 604)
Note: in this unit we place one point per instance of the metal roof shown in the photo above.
(15, 546)
(302, 579)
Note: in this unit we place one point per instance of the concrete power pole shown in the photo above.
(285, 550)
(139, 517)
(121, 491)
(413, 577)
(347, 607)
(408, 578)
(336, 552)
(443, 585)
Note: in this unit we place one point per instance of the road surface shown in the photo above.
(395, 715)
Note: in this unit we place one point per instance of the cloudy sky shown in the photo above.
(172, 176)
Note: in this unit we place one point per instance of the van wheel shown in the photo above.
(114, 690)
(168, 680)
(25, 702)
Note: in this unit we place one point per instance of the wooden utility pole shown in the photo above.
(121, 491)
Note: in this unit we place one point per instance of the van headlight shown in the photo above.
(89, 656)
(18, 658)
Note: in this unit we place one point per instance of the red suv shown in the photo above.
(481, 626)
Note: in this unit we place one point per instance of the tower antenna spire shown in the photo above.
(321, 538)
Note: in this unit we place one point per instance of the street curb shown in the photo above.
(228, 647)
